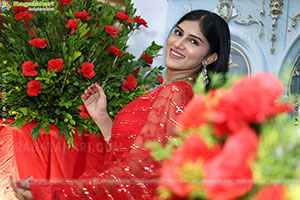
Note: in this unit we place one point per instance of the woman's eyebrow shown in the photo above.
(190, 34)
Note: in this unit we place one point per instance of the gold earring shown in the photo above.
(204, 73)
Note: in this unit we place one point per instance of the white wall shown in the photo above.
(155, 14)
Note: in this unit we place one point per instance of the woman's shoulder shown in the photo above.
(181, 87)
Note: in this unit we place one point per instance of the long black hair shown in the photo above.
(217, 33)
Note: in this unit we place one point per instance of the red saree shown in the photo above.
(128, 170)
(47, 158)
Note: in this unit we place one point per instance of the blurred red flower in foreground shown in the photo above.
(215, 162)
(274, 192)
(228, 174)
(195, 150)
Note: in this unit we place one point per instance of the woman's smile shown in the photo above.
(175, 54)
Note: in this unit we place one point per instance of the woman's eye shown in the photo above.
(195, 42)
(178, 33)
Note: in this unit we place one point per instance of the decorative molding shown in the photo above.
(275, 12)
(226, 10)
(294, 23)
(251, 21)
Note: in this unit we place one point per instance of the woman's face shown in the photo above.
(186, 47)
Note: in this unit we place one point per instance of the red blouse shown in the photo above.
(128, 170)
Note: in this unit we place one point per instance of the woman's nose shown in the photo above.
(179, 43)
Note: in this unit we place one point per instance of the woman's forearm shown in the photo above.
(104, 122)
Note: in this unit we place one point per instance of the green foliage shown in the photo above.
(61, 91)
(160, 153)
(217, 80)
(279, 149)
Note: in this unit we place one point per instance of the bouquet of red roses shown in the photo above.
(48, 58)
(235, 143)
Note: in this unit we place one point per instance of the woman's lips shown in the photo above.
(176, 54)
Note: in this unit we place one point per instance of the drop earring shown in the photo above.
(204, 73)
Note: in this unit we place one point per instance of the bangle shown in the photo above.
(20, 196)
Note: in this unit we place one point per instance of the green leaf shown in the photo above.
(35, 132)
(47, 130)
(20, 123)
(80, 131)
(75, 56)
(24, 110)
(61, 132)
(4, 121)
(11, 40)
(13, 124)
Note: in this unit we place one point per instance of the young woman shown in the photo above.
(200, 42)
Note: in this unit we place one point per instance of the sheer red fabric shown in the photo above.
(49, 157)
(129, 171)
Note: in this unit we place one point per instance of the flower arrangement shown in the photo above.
(48, 59)
(235, 143)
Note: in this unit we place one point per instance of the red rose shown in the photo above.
(115, 50)
(1, 95)
(193, 116)
(123, 17)
(28, 68)
(84, 112)
(21, 12)
(140, 21)
(56, 64)
(240, 110)
(72, 24)
(194, 149)
(136, 71)
(148, 59)
(130, 83)
(65, 2)
(19, 9)
(160, 79)
(111, 30)
(274, 192)
(34, 87)
(87, 70)
(38, 42)
(227, 173)
(82, 15)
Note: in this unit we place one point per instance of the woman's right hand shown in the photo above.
(94, 100)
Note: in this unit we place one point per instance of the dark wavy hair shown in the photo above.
(217, 33)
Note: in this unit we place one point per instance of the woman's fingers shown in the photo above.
(100, 90)
(25, 184)
(14, 184)
(21, 185)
